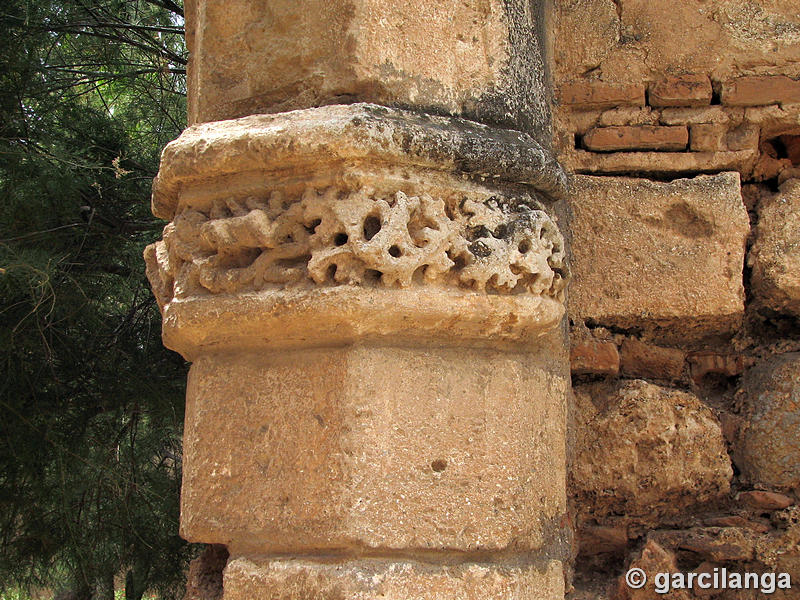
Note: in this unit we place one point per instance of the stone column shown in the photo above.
(372, 298)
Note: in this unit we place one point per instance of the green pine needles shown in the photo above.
(91, 404)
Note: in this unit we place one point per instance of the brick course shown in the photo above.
(637, 137)
(601, 95)
(757, 90)
(686, 90)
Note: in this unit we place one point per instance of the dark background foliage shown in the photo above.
(91, 404)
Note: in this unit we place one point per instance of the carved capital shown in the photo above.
(321, 226)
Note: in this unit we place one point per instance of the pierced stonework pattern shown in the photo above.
(331, 237)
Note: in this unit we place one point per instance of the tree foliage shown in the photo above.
(91, 403)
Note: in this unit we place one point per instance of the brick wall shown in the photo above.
(681, 124)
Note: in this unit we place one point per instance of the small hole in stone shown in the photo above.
(332, 272)
(312, 227)
(458, 262)
(500, 232)
(372, 225)
(372, 276)
(395, 251)
(340, 239)
(525, 246)
(439, 465)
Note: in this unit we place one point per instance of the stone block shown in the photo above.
(756, 90)
(660, 163)
(640, 137)
(596, 94)
(628, 115)
(638, 359)
(684, 90)
(377, 579)
(473, 58)
(652, 559)
(666, 257)
(690, 116)
(594, 357)
(775, 255)
(646, 453)
(375, 448)
(768, 449)
(721, 37)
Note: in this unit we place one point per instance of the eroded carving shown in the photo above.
(330, 237)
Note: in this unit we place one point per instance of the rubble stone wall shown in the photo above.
(681, 124)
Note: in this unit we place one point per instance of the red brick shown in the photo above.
(641, 137)
(766, 500)
(638, 359)
(737, 521)
(595, 358)
(685, 90)
(601, 95)
(744, 137)
(707, 137)
(757, 90)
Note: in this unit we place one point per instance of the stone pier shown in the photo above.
(364, 266)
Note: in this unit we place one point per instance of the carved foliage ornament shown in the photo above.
(490, 243)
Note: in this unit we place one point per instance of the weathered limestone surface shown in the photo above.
(768, 449)
(354, 235)
(362, 322)
(671, 293)
(651, 559)
(371, 299)
(666, 256)
(378, 448)
(377, 579)
(350, 136)
(645, 452)
(627, 41)
(660, 164)
(775, 256)
(372, 296)
(475, 58)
